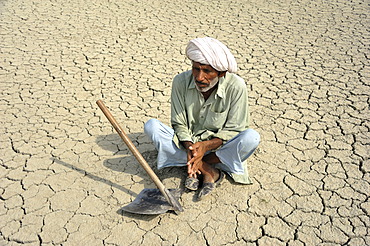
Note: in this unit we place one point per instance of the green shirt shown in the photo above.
(223, 115)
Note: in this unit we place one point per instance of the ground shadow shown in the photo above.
(122, 159)
(127, 163)
(94, 177)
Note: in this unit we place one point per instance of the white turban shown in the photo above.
(211, 52)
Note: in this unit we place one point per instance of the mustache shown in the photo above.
(201, 83)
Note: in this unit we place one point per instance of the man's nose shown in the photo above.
(200, 76)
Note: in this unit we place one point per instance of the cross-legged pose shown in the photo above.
(210, 131)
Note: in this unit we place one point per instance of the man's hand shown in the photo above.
(187, 145)
(190, 155)
(196, 152)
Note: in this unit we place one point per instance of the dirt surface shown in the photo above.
(65, 174)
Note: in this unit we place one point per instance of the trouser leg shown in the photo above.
(235, 151)
(162, 136)
(232, 154)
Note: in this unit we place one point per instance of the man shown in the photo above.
(209, 118)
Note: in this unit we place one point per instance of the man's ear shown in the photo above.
(222, 74)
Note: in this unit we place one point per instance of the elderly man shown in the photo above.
(209, 118)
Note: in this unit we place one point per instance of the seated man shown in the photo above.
(209, 118)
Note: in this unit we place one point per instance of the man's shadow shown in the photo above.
(126, 161)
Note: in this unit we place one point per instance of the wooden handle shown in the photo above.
(131, 146)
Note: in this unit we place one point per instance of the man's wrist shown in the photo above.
(213, 144)
(186, 144)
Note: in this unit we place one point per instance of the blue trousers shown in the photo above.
(233, 154)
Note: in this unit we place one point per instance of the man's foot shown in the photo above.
(192, 183)
(208, 187)
(210, 173)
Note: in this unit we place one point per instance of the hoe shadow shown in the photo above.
(94, 177)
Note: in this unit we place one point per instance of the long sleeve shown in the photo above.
(179, 119)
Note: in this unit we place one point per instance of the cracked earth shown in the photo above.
(65, 174)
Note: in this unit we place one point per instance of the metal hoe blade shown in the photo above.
(151, 202)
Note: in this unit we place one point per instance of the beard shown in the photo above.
(212, 84)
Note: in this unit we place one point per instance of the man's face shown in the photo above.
(205, 76)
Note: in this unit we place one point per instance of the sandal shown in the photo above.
(192, 183)
(207, 188)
